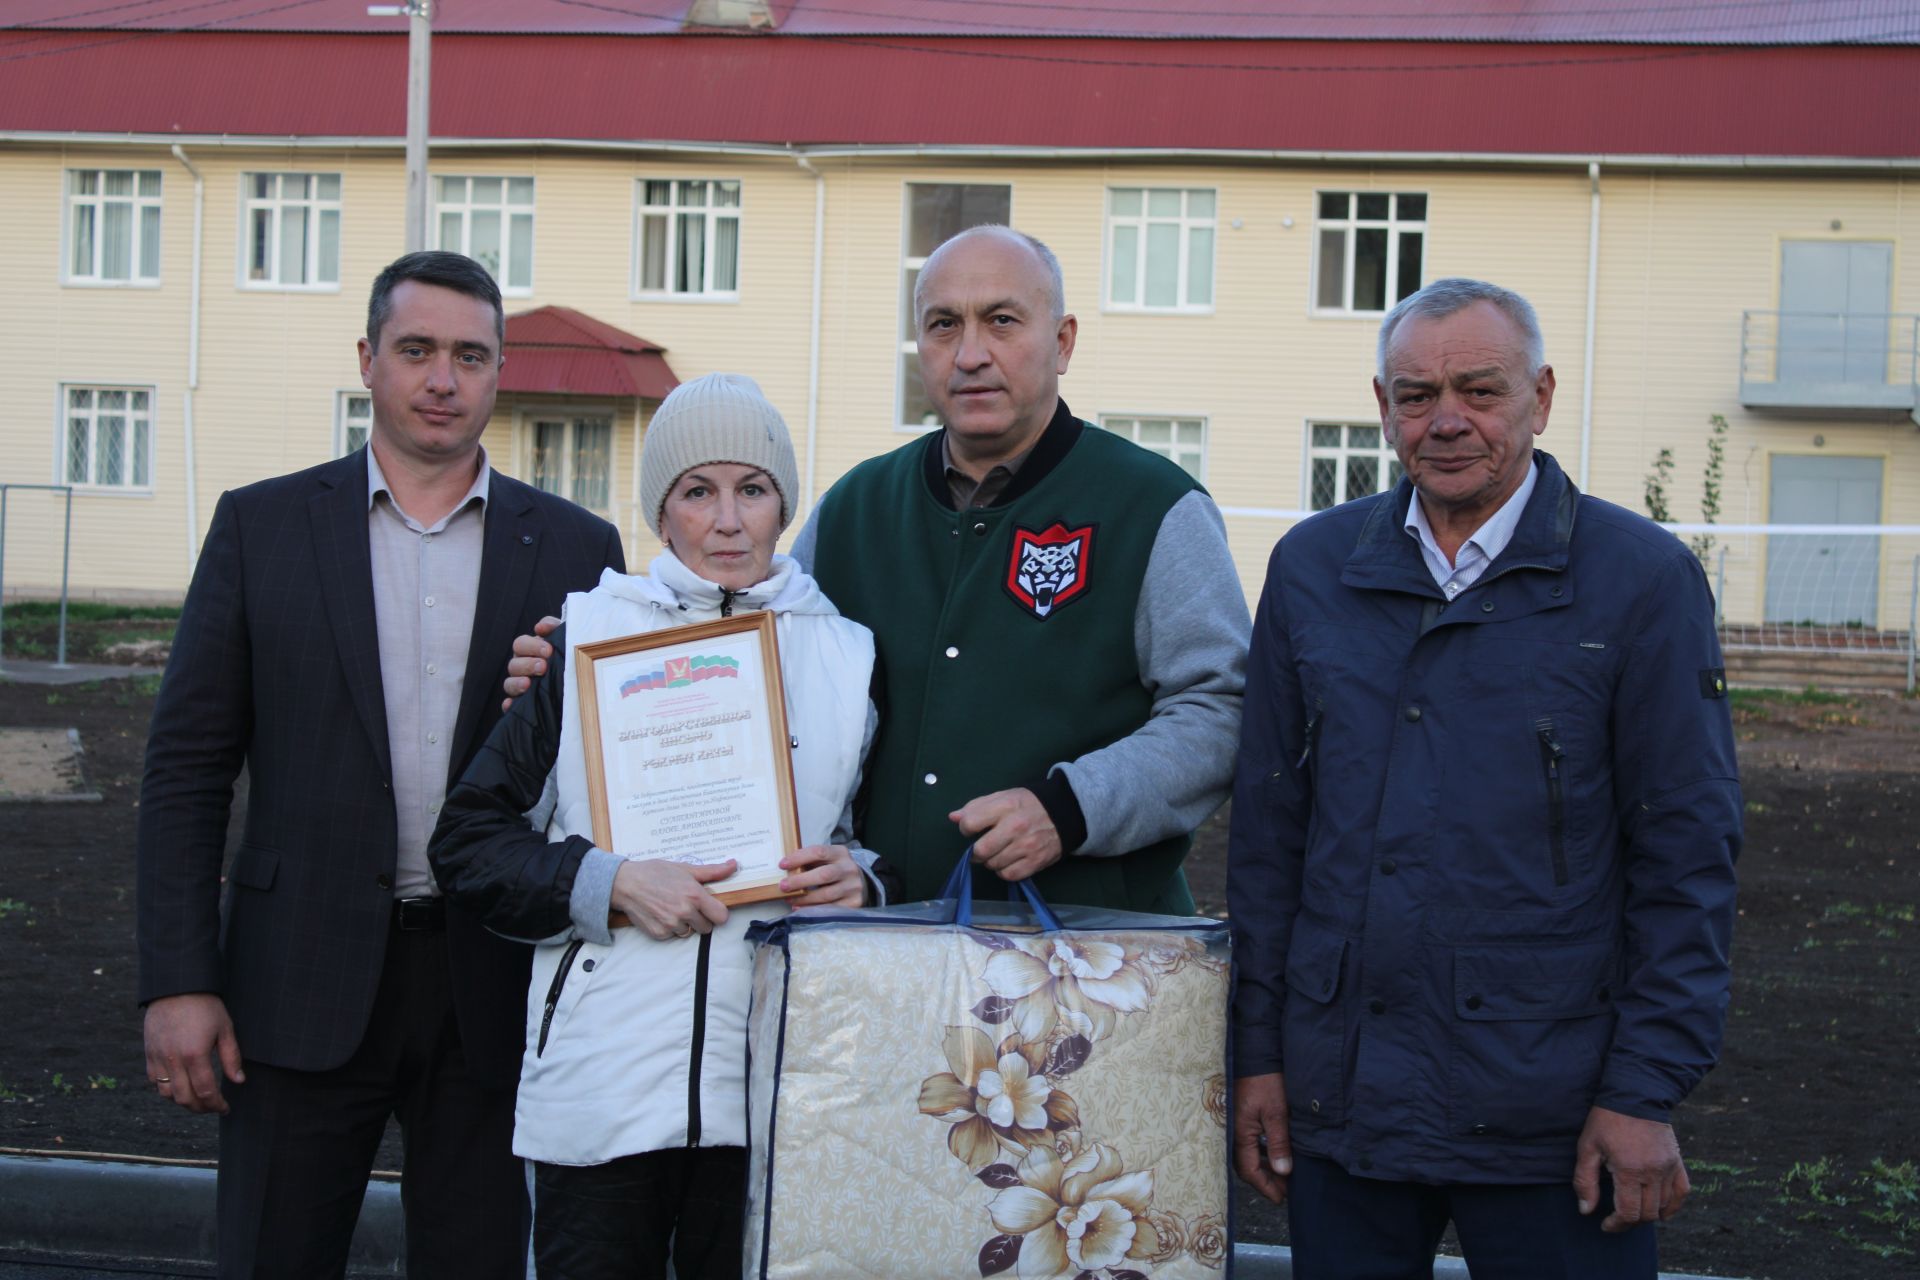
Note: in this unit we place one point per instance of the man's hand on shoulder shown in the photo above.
(1012, 834)
(1262, 1148)
(190, 1045)
(1649, 1178)
(530, 655)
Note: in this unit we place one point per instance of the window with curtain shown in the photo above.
(1346, 461)
(1369, 249)
(935, 212)
(109, 437)
(352, 421)
(292, 238)
(573, 457)
(1183, 440)
(113, 226)
(491, 221)
(686, 240)
(1160, 248)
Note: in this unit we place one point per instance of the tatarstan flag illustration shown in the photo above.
(678, 673)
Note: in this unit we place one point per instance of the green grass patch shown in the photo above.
(1875, 1210)
(1762, 699)
(32, 628)
(26, 612)
(136, 688)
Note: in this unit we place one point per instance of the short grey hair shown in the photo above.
(1056, 282)
(1455, 293)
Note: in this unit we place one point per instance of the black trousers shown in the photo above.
(621, 1219)
(296, 1146)
(1343, 1227)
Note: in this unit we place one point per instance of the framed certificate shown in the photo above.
(687, 747)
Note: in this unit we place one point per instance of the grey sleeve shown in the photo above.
(806, 540)
(1190, 635)
(592, 897)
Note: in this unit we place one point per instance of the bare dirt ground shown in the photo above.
(1804, 1145)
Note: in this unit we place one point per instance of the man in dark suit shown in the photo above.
(344, 628)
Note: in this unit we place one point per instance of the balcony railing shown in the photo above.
(1830, 362)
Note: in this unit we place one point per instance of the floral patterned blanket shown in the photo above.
(936, 1100)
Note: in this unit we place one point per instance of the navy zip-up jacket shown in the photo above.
(1481, 864)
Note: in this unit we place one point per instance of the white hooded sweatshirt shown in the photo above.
(621, 1055)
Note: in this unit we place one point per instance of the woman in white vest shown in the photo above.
(632, 1101)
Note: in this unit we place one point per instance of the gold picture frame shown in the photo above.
(691, 761)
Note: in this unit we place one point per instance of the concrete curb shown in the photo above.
(161, 1214)
(22, 671)
(155, 1214)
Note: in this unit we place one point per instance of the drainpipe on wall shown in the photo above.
(193, 361)
(813, 345)
(635, 516)
(1593, 300)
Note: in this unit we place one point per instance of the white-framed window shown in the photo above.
(1347, 460)
(935, 212)
(108, 437)
(1160, 248)
(352, 421)
(1369, 249)
(572, 455)
(491, 221)
(1184, 440)
(686, 238)
(113, 226)
(292, 238)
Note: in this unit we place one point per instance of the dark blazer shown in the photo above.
(276, 664)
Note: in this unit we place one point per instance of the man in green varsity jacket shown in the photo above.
(1061, 635)
(1060, 630)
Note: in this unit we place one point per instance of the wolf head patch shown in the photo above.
(1049, 569)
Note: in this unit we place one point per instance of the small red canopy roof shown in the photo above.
(560, 351)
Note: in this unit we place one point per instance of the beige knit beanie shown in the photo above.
(722, 417)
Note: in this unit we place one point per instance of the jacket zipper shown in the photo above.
(699, 1040)
(1313, 725)
(1551, 754)
(553, 993)
(700, 979)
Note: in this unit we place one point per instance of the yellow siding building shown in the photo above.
(182, 310)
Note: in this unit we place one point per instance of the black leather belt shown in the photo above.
(419, 915)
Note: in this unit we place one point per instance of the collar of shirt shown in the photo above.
(1479, 550)
(476, 492)
(970, 493)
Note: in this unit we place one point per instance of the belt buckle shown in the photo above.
(412, 915)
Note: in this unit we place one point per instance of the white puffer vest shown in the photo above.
(616, 1066)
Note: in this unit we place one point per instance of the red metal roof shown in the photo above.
(560, 351)
(1561, 21)
(1339, 96)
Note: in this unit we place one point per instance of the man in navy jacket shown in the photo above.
(1484, 826)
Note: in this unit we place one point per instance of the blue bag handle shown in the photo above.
(960, 889)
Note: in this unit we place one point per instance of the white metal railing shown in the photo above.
(1830, 347)
(66, 556)
(1812, 589)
